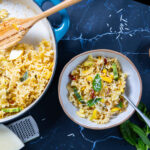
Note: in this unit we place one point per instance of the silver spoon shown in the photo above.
(146, 119)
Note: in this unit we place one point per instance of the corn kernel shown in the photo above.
(42, 55)
(102, 100)
(48, 75)
(14, 98)
(22, 107)
(3, 85)
(83, 88)
(51, 66)
(115, 109)
(79, 102)
(89, 78)
(94, 115)
(112, 76)
(104, 71)
(106, 87)
(122, 90)
(106, 79)
(103, 94)
(84, 71)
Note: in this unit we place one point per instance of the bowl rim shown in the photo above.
(93, 51)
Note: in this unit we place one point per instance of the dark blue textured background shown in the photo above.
(121, 25)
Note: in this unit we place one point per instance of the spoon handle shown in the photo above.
(146, 119)
(53, 10)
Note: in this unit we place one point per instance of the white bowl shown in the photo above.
(133, 88)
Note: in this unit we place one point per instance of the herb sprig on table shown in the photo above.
(135, 135)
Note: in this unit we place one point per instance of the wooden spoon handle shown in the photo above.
(53, 10)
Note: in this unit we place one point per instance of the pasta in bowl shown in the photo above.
(96, 89)
(91, 86)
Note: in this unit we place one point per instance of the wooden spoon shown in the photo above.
(13, 30)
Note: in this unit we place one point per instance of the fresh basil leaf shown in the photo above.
(141, 145)
(92, 102)
(78, 96)
(148, 114)
(97, 83)
(120, 105)
(140, 133)
(143, 108)
(25, 77)
(147, 130)
(128, 133)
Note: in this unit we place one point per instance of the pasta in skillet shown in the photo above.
(96, 89)
(24, 74)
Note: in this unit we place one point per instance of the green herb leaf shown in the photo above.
(120, 105)
(115, 72)
(25, 77)
(141, 145)
(143, 108)
(141, 140)
(11, 110)
(97, 83)
(92, 102)
(78, 96)
(140, 133)
(147, 130)
(128, 133)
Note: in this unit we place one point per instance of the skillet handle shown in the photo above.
(64, 26)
